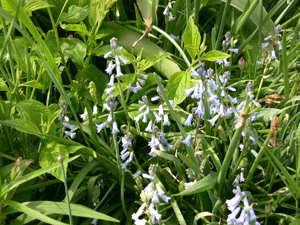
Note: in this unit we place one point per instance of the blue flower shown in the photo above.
(70, 134)
(100, 126)
(187, 140)
(188, 121)
(115, 128)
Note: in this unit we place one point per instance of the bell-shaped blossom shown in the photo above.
(166, 120)
(188, 121)
(115, 128)
(70, 134)
(187, 140)
(100, 126)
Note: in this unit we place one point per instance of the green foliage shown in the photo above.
(56, 99)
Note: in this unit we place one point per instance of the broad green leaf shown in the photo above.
(191, 38)
(35, 5)
(3, 86)
(177, 211)
(31, 212)
(32, 175)
(150, 61)
(176, 85)
(76, 28)
(49, 155)
(204, 184)
(214, 55)
(75, 50)
(82, 150)
(59, 208)
(189, 163)
(34, 112)
(75, 14)
(33, 84)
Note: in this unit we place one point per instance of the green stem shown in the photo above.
(124, 104)
(66, 190)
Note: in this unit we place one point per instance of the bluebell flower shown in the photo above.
(133, 89)
(135, 216)
(174, 37)
(264, 45)
(214, 119)
(110, 90)
(161, 110)
(100, 126)
(155, 197)
(115, 128)
(154, 213)
(166, 120)
(187, 140)
(155, 98)
(273, 56)
(137, 174)
(149, 127)
(111, 81)
(226, 63)
(142, 82)
(279, 45)
(189, 184)
(232, 217)
(235, 50)
(268, 38)
(233, 100)
(84, 116)
(213, 84)
(95, 110)
(71, 127)
(137, 118)
(110, 67)
(70, 134)
(188, 121)
(109, 118)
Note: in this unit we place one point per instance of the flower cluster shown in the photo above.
(126, 155)
(208, 85)
(65, 120)
(168, 12)
(247, 215)
(267, 46)
(141, 81)
(150, 197)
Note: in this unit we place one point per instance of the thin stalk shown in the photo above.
(285, 66)
(298, 165)
(196, 11)
(61, 160)
(176, 46)
(58, 45)
(124, 104)
(187, 10)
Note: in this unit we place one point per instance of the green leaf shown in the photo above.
(34, 113)
(204, 184)
(3, 86)
(150, 61)
(176, 85)
(214, 55)
(191, 38)
(49, 157)
(75, 14)
(82, 150)
(61, 208)
(75, 50)
(33, 84)
(32, 175)
(76, 28)
(35, 5)
(31, 212)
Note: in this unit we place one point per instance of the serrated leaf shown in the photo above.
(191, 38)
(176, 85)
(35, 5)
(204, 184)
(214, 55)
(76, 28)
(49, 157)
(75, 14)
(33, 84)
